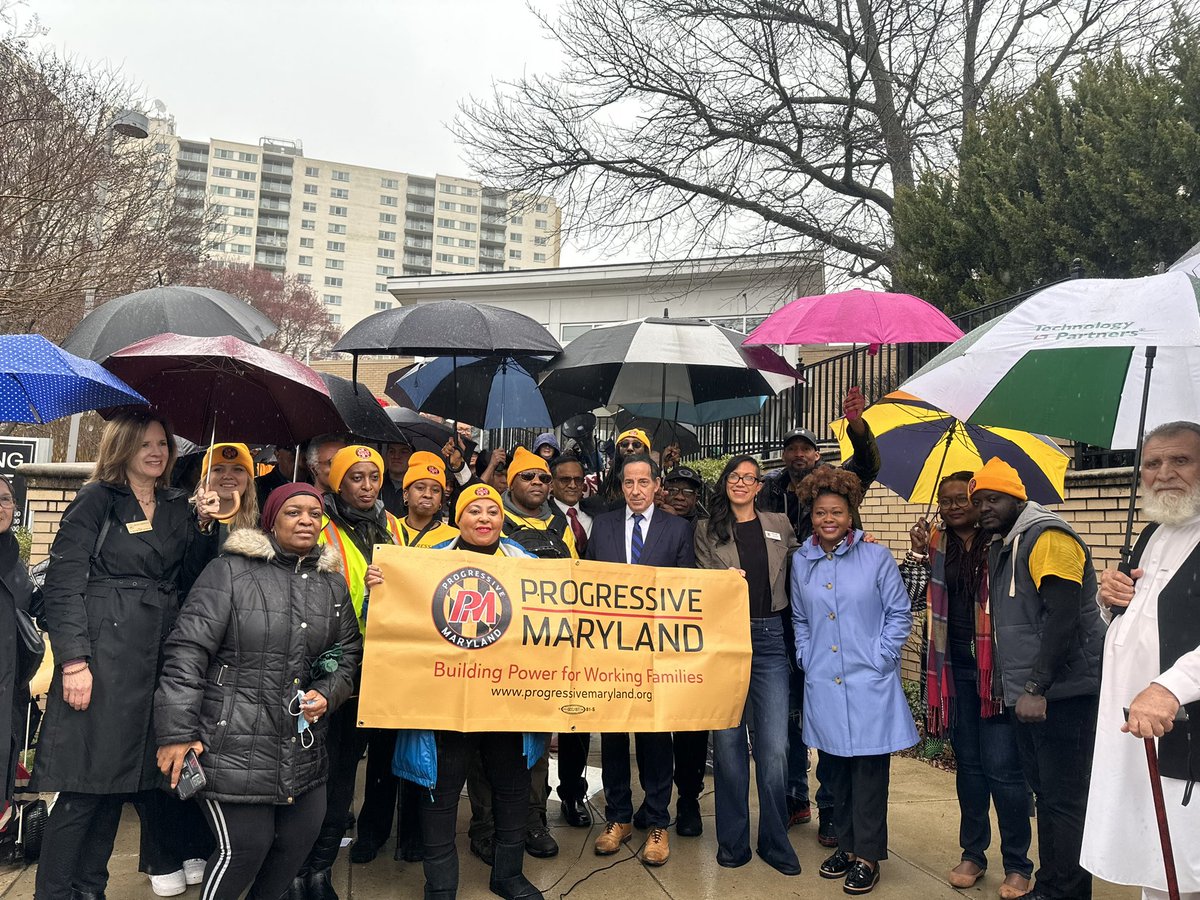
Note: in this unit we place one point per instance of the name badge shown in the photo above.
(773, 535)
(139, 527)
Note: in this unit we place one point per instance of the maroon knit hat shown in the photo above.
(280, 496)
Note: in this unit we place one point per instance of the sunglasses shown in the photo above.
(535, 476)
(631, 445)
(571, 479)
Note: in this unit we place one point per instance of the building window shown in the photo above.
(304, 278)
(308, 224)
(333, 281)
(335, 264)
(445, 240)
(305, 260)
(335, 246)
(444, 257)
(335, 319)
(469, 191)
(449, 188)
(308, 207)
(467, 226)
(542, 207)
(516, 220)
(306, 243)
(387, 235)
(514, 254)
(388, 218)
(310, 189)
(312, 172)
(340, 176)
(244, 211)
(388, 200)
(385, 253)
(220, 190)
(338, 211)
(339, 193)
(448, 205)
(333, 300)
(222, 153)
(380, 287)
(382, 304)
(466, 260)
(244, 194)
(239, 248)
(247, 157)
(539, 257)
(466, 243)
(515, 237)
(242, 229)
(222, 172)
(540, 241)
(389, 184)
(568, 333)
(447, 223)
(247, 176)
(541, 223)
(385, 270)
(334, 228)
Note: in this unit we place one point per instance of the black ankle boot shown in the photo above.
(319, 884)
(86, 895)
(507, 879)
(298, 889)
(441, 876)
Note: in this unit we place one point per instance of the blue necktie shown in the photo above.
(635, 545)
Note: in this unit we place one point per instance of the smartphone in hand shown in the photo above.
(191, 777)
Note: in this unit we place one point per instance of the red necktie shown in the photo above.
(577, 530)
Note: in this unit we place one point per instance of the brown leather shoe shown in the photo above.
(1014, 886)
(657, 848)
(613, 836)
(965, 874)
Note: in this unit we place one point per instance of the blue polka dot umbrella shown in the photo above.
(40, 382)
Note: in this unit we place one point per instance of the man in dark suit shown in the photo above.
(640, 535)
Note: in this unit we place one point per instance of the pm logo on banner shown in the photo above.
(471, 609)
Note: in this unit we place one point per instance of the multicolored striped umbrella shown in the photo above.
(1071, 361)
(920, 444)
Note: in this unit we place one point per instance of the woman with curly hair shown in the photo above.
(851, 616)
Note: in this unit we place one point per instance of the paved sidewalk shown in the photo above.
(923, 826)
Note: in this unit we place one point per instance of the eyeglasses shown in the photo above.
(570, 479)
(685, 491)
(6, 502)
(631, 445)
(954, 503)
(535, 476)
(739, 478)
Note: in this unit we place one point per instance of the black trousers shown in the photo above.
(691, 758)
(503, 756)
(573, 750)
(345, 743)
(655, 759)
(80, 834)
(1056, 756)
(263, 844)
(859, 785)
(380, 791)
(172, 830)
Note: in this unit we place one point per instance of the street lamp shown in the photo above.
(130, 123)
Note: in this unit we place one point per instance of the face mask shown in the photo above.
(303, 726)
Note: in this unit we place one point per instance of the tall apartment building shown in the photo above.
(345, 229)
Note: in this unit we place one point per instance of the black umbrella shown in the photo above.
(362, 413)
(662, 432)
(176, 309)
(448, 328)
(420, 432)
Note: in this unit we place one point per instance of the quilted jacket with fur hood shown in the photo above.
(246, 640)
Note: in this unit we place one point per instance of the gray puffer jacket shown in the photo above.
(245, 642)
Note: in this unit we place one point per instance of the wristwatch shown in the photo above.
(1032, 687)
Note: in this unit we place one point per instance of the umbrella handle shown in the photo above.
(1160, 813)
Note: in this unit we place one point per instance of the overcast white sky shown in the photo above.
(362, 81)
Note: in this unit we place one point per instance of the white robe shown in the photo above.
(1120, 835)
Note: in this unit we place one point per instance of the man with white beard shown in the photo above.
(1151, 667)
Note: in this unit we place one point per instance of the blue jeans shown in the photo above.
(767, 702)
(989, 771)
(797, 776)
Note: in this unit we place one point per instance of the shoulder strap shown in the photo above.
(1140, 546)
(103, 533)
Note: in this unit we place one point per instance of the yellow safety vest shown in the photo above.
(354, 564)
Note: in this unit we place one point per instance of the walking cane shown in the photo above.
(1160, 810)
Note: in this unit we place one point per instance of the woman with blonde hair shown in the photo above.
(126, 552)
(226, 488)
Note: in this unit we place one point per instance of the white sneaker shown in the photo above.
(169, 885)
(193, 870)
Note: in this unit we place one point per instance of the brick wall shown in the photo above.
(50, 488)
(1096, 505)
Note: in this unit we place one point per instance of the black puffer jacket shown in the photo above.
(245, 642)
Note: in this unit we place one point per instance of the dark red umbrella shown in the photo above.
(243, 391)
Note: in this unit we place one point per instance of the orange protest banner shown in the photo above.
(465, 642)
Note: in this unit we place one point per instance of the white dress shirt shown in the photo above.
(584, 519)
(629, 514)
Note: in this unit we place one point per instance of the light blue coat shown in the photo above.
(851, 616)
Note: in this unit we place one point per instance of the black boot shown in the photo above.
(507, 880)
(86, 895)
(441, 876)
(298, 889)
(319, 883)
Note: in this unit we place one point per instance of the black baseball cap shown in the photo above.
(802, 434)
(684, 473)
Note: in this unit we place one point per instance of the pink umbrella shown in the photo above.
(858, 317)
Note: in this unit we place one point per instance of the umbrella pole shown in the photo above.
(1160, 813)
(1127, 549)
(296, 465)
(945, 453)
